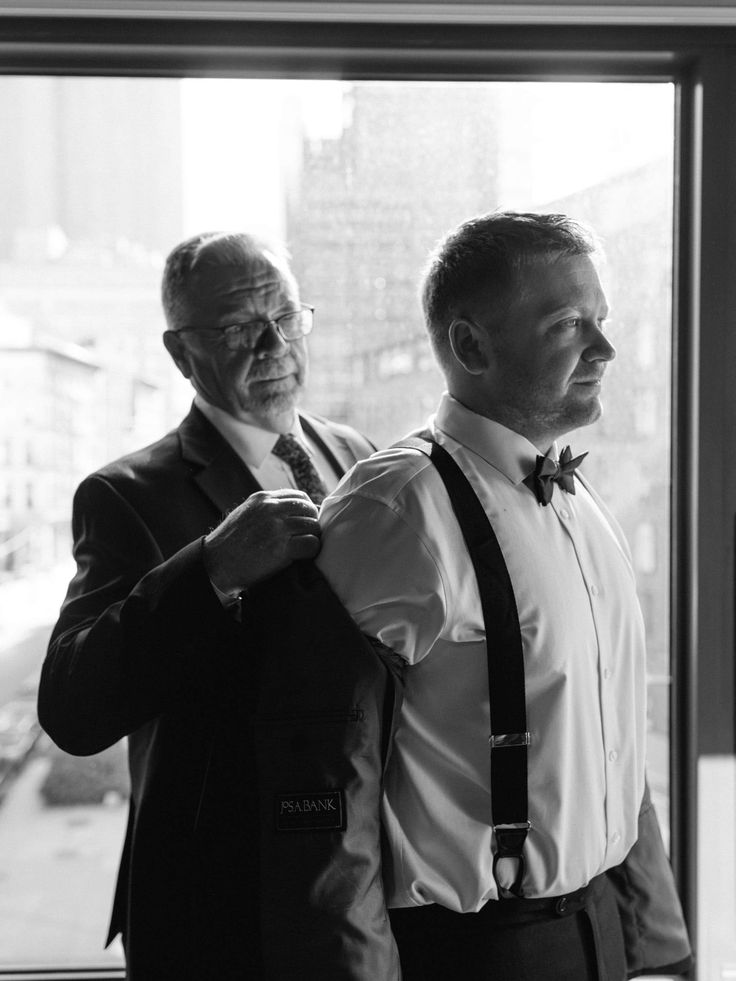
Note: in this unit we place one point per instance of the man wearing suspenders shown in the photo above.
(516, 773)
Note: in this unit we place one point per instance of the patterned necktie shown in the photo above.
(547, 473)
(307, 479)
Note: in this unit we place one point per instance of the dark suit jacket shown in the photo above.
(143, 648)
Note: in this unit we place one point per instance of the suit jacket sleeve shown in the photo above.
(138, 632)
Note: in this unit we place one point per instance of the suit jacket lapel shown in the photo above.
(335, 447)
(329, 443)
(216, 467)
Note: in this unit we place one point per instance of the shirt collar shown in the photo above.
(251, 443)
(508, 452)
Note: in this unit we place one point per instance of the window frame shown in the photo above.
(701, 61)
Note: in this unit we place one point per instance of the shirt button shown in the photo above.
(564, 513)
(615, 838)
(606, 673)
(613, 756)
(594, 590)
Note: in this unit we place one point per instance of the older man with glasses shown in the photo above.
(148, 644)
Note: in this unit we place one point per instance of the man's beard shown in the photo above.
(276, 401)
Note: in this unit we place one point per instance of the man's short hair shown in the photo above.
(485, 256)
(178, 284)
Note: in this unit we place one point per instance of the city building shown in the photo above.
(367, 209)
(88, 217)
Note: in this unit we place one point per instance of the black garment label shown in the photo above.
(323, 811)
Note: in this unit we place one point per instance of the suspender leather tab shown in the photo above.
(510, 844)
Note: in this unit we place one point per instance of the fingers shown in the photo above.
(298, 525)
(283, 493)
(287, 495)
(279, 503)
(304, 547)
(261, 536)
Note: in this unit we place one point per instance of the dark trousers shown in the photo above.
(572, 938)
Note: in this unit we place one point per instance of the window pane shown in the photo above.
(103, 176)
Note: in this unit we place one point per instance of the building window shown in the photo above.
(103, 175)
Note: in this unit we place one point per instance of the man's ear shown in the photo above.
(178, 351)
(469, 343)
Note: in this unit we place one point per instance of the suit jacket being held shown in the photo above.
(144, 649)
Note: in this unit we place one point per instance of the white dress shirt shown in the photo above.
(394, 554)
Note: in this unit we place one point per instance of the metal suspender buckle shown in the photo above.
(508, 739)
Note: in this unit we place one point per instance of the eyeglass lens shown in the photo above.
(290, 327)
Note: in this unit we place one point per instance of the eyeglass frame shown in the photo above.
(227, 332)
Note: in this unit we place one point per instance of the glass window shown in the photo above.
(103, 176)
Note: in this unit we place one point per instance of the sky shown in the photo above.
(557, 138)
(234, 146)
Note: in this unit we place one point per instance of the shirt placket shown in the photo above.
(594, 577)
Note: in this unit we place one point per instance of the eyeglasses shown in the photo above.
(289, 326)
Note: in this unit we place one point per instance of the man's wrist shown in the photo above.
(227, 597)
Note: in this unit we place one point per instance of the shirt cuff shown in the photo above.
(229, 601)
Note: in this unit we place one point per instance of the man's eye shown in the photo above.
(240, 328)
(570, 323)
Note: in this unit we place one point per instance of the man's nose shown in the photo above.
(599, 348)
(271, 343)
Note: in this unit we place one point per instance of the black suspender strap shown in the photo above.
(509, 737)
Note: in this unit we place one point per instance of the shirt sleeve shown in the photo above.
(382, 567)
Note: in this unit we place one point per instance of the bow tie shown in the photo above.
(547, 473)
